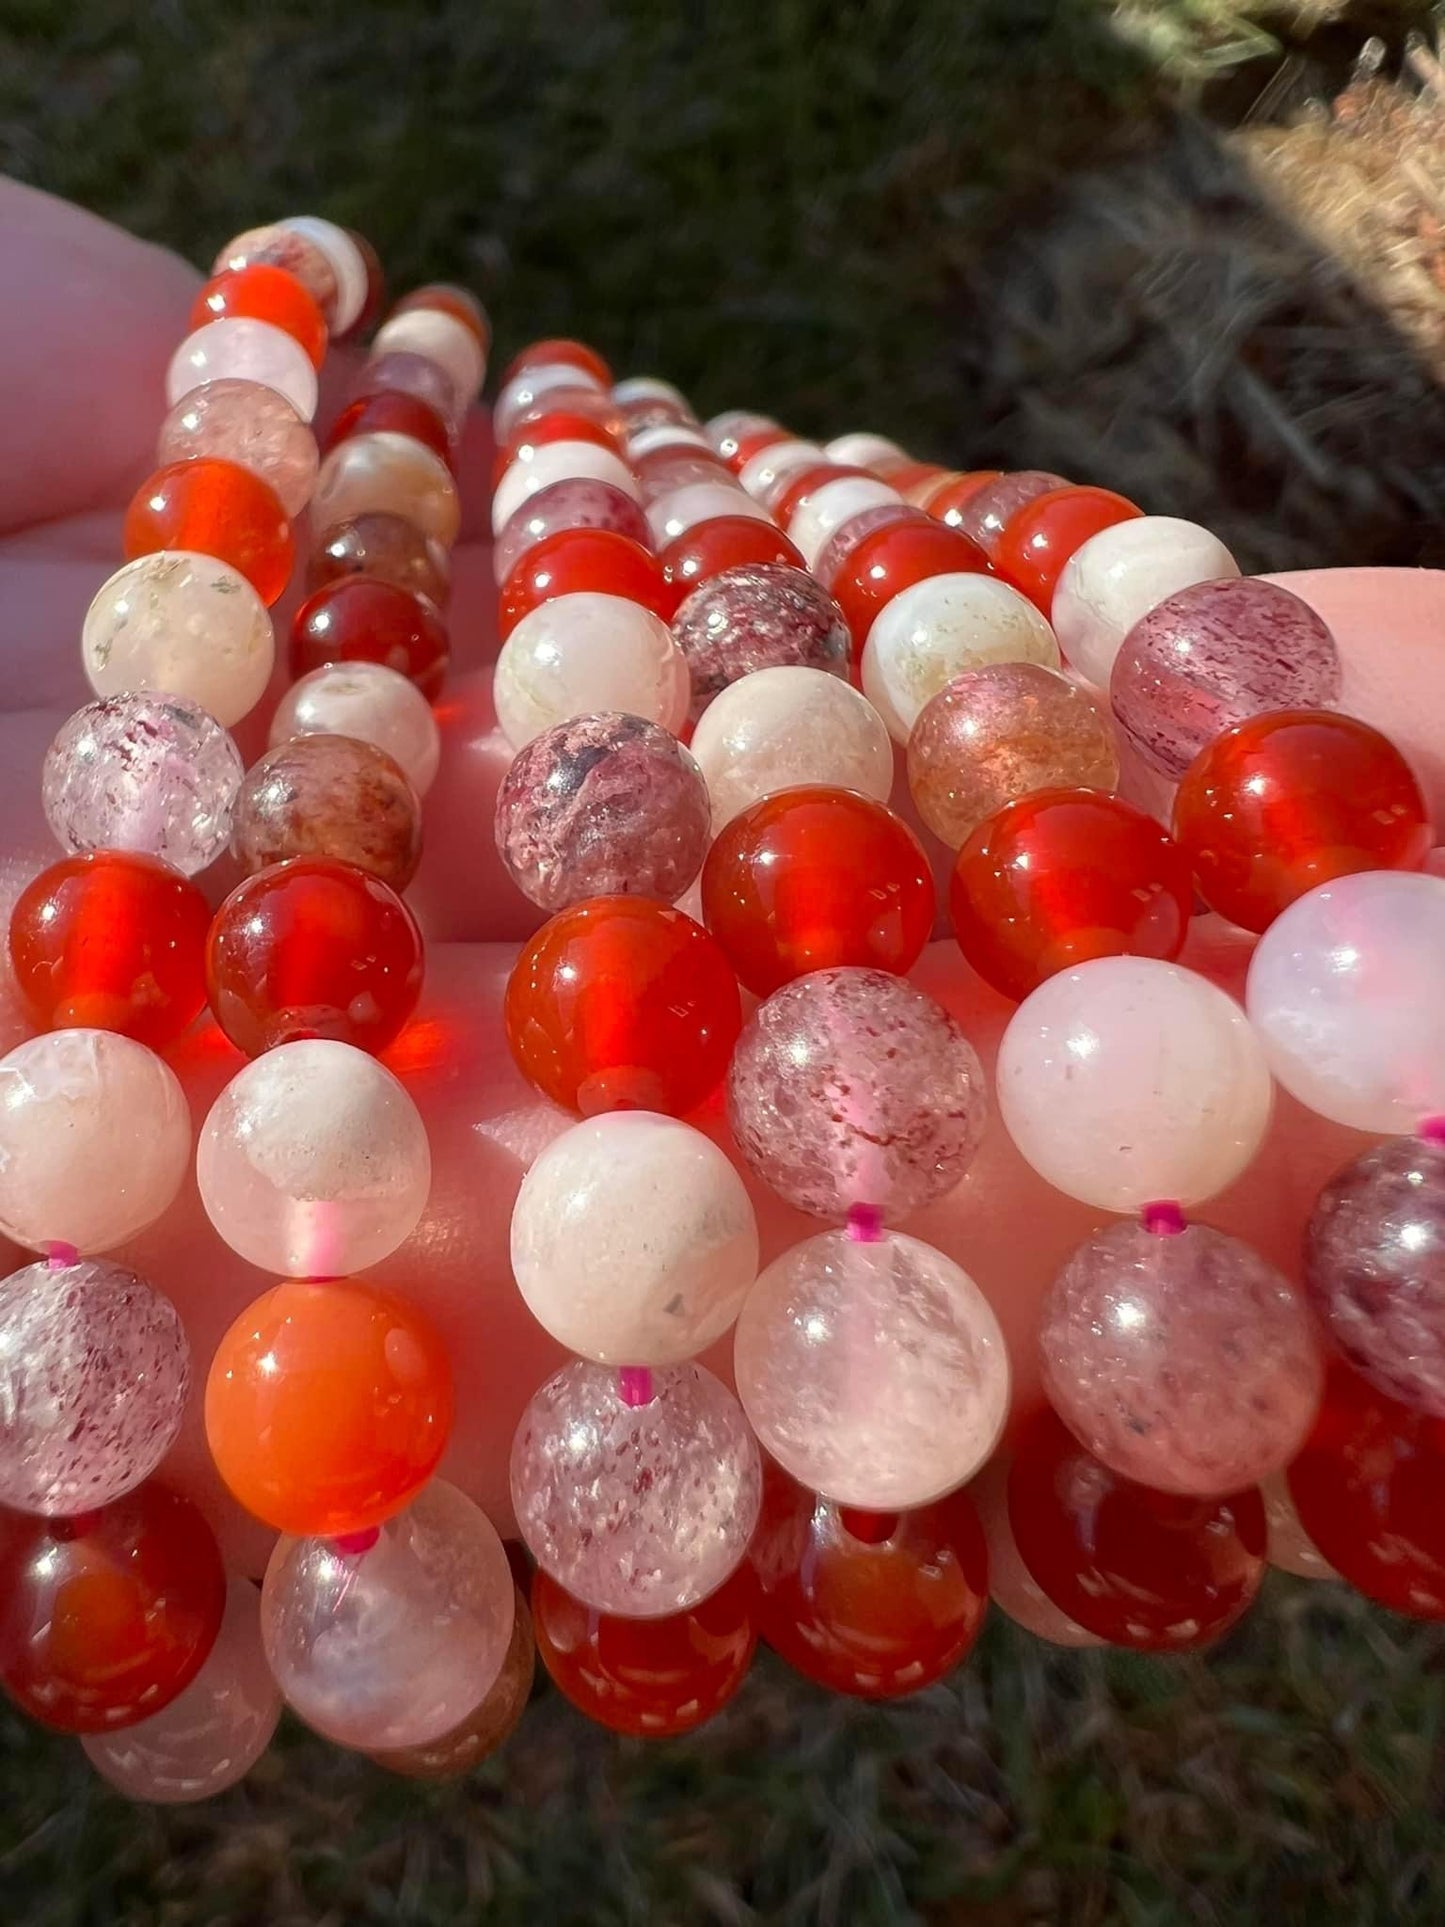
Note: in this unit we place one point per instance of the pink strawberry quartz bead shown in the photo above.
(1179, 1356)
(643, 1508)
(1122, 573)
(1344, 991)
(251, 425)
(778, 729)
(369, 703)
(577, 503)
(1128, 1080)
(849, 1087)
(95, 1139)
(239, 348)
(758, 616)
(183, 625)
(390, 1638)
(558, 462)
(581, 654)
(94, 1369)
(872, 1369)
(939, 627)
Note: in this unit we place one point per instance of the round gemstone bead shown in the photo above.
(639, 1510)
(1181, 1358)
(554, 349)
(1155, 1571)
(369, 703)
(443, 338)
(391, 474)
(1063, 876)
(384, 548)
(757, 616)
(557, 462)
(489, 1724)
(1286, 801)
(850, 1087)
(361, 620)
(577, 503)
(415, 378)
(863, 447)
(668, 471)
(94, 1370)
(329, 796)
(554, 425)
(111, 941)
(821, 511)
(1035, 544)
(633, 1240)
(265, 293)
(239, 348)
(603, 805)
(861, 592)
(250, 425)
(598, 560)
(281, 247)
(584, 653)
(214, 508)
(187, 626)
(725, 542)
(1119, 575)
(347, 254)
(447, 297)
(394, 413)
(313, 1162)
(328, 1406)
(811, 878)
(1012, 1587)
(983, 513)
(622, 1003)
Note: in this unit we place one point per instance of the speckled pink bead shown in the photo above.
(239, 348)
(641, 1510)
(1182, 1359)
(553, 462)
(329, 796)
(574, 504)
(1127, 1080)
(832, 507)
(849, 1087)
(401, 372)
(582, 654)
(371, 703)
(348, 265)
(391, 1645)
(1344, 991)
(183, 625)
(986, 513)
(94, 1369)
(280, 247)
(599, 806)
(95, 1139)
(681, 509)
(874, 1372)
(441, 338)
(213, 1733)
(759, 615)
(251, 425)
(390, 474)
(633, 1240)
(1121, 574)
(150, 773)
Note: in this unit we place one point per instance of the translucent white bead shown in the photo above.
(558, 462)
(681, 509)
(665, 435)
(529, 385)
(371, 703)
(183, 625)
(390, 474)
(239, 348)
(770, 464)
(861, 450)
(348, 264)
(1128, 1081)
(441, 338)
(580, 654)
(830, 506)
(934, 630)
(1122, 573)
(648, 388)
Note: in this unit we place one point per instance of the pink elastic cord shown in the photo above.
(1164, 1219)
(865, 1223)
(354, 1543)
(1432, 1129)
(61, 1257)
(634, 1384)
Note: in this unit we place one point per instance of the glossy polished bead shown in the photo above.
(622, 1003)
(925, 1411)
(328, 1406)
(555, 425)
(105, 1618)
(348, 263)
(1344, 993)
(574, 504)
(1154, 1571)
(554, 350)
(1012, 1587)
(1121, 574)
(603, 805)
(862, 447)
(1181, 1358)
(370, 703)
(490, 1723)
(881, 553)
(111, 941)
(794, 490)
(1127, 1080)
(811, 878)
(757, 616)
(392, 474)
(850, 1087)
(187, 626)
(311, 947)
(741, 435)
(265, 293)
(451, 343)
(877, 1615)
(652, 1678)
(282, 248)
(670, 516)
(94, 1370)
(329, 796)
(447, 297)
(934, 631)
(549, 384)
(313, 1162)
(1061, 877)
(384, 548)
(250, 425)
(241, 349)
(1289, 800)
(641, 1510)
(394, 413)
(667, 470)
(724, 542)
(763, 471)
(213, 1731)
(1035, 544)
(391, 376)
(212, 507)
(95, 1138)
(573, 560)
(824, 510)
(584, 653)
(558, 462)
(986, 511)
(361, 620)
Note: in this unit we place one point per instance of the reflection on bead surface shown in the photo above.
(586, 653)
(218, 508)
(369, 703)
(490, 1723)
(1183, 1360)
(390, 1647)
(640, 1510)
(265, 292)
(329, 796)
(1012, 1587)
(94, 1139)
(385, 548)
(578, 503)
(249, 424)
(779, 728)
(241, 349)
(578, 561)
(757, 616)
(1121, 574)
(557, 462)
(213, 1732)
(1127, 1080)
(361, 620)
(932, 632)
(875, 556)
(850, 1087)
(723, 542)
(1036, 543)
(671, 516)
(603, 805)
(825, 510)
(874, 1372)
(985, 512)
(94, 1369)
(389, 474)
(186, 625)
(283, 248)
(313, 1161)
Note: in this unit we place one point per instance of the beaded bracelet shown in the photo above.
(792, 613)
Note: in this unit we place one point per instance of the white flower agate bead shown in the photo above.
(829, 507)
(934, 630)
(584, 653)
(372, 704)
(388, 474)
(440, 338)
(183, 625)
(782, 727)
(1127, 1082)
(240, 348)
(681, 509)
(859, 449)
(558, 462)
(1122, 573)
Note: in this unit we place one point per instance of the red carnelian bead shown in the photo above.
(1289, 800)
(313, 948)
(393, 413)
(106, 1616)
(909, 477)
(557, 425)
(1062, 876)
(869, 1604)
(111, 941)
(738, 450)
(1151, 1570)
(263, 293)
(894, 558)
(810, 878)
(724, 542)
(1035, 544)
(622, 1004)
(358, 619)
(447, 298)
(955, 492)
(652, 1678)
(555, 349)
(1367, 1487)
(583, 559)
(215, 508)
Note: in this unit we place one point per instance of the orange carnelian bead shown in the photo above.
(1035, 544)
(1062, 876)
(559, 349)
(264, 293)
(811, 878)
(328, 1406)
(575, 560)
(556, 425)
(361, 619)
(214, 508)
(111, 941)
(893, 558)
(620, 1003)
(393, 413)
(723, 542)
